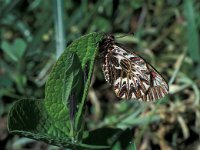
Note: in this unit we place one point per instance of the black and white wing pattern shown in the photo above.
(131, 76)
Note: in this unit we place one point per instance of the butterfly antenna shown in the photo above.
(124, 35)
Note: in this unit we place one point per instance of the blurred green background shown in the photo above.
(164, 32)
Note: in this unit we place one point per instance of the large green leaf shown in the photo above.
(29, 118)
(59, 118)
(62, 79)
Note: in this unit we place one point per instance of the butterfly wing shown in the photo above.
(159, 88)
(132, 77)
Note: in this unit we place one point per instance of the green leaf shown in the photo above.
(58, 119)
(63, 76)
(124, 141)
(29, 118)
(14, 50)
(103, 136)
(192, 31)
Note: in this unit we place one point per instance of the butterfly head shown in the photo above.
(107, 43)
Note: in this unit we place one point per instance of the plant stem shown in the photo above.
(59, 28)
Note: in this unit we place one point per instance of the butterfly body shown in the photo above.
(131, 76)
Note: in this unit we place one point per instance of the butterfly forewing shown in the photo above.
(131, 76)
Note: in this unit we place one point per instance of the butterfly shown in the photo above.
(130, 75)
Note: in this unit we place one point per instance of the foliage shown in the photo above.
(166, 34)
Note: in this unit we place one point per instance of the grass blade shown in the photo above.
(59, 28)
